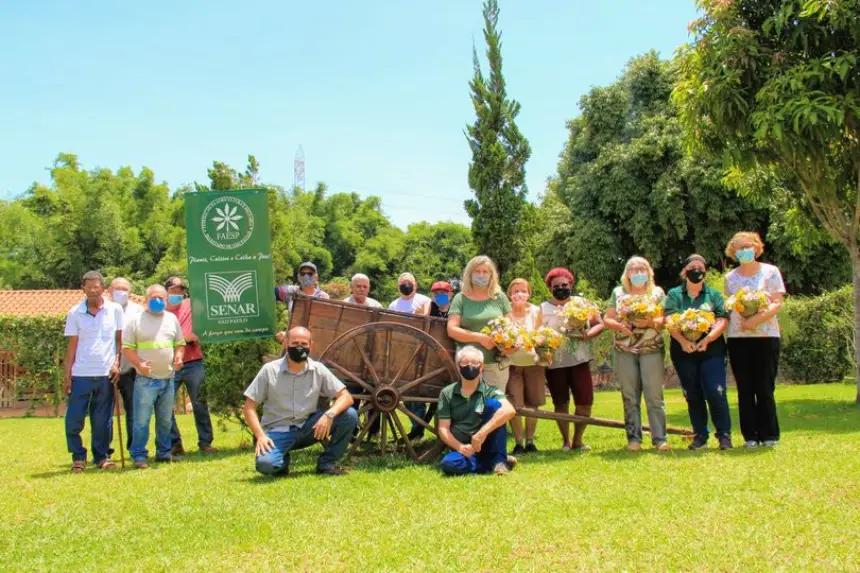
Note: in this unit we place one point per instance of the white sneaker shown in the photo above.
(770, 443)
(750, 444)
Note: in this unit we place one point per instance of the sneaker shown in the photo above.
(566, 448)
(529, 449)
(770, 443)
(501, 469)
(698, 443)
(141, 465)
(633, 446)
(664, 447)
(332, 471)
(750, 444)
(203, 450)
(725, 442)
(511, 461)
(518, 450)
(582, 448)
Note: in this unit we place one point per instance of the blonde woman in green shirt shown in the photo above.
(481, 301)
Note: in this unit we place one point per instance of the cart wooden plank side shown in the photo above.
(390, 360)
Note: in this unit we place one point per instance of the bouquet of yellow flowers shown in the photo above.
(693, 323)
(545, 341)
(576, 315)
(507, 334)
(748, 302)
(639, 307)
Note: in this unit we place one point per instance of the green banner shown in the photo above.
(230, 264)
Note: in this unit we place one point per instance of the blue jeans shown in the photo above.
(704, 382)
(151, 394)
(278, 460)
(91, 395)
(193, 375)
(494, 450)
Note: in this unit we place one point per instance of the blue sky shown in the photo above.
(375, 91)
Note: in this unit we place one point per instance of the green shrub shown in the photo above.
(817, 337)
(39, 348)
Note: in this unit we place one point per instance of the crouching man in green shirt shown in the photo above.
(472, 417)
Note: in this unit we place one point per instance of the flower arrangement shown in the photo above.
(545, 341)
(693, 323)
(575, 316)
(507, 334)
(639, 307)
(748, 302)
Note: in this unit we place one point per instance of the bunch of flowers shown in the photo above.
(693, 323)
(507, 334)
(748, 302)
(545, 341)
(575, 315)
(639, 307)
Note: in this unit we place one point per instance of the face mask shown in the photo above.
(297, 353)
(745, 256)
(480, 281)
(695, 276)
(441, 299)
(175, 299)
(120, 297)
(561, 292)
(406, 288)
(306, 280)
(156, 305)
(639, 279)
(470, 372)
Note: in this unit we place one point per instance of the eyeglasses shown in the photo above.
(306, 274)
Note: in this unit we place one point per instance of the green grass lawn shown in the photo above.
(793, 508)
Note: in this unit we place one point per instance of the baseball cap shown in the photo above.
(308, 265)
(441, 285)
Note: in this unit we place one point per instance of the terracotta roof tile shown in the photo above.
(40, 302)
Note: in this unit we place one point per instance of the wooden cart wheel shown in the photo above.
(394, 365)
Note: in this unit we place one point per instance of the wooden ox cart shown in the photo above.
(390, 360)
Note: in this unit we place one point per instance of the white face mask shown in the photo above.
(120, 297)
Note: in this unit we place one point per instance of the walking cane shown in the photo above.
(119, 426)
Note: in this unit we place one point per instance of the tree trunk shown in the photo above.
(855, 264)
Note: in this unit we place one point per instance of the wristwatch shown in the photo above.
(330, 415)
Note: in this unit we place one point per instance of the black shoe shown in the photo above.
(167, 460)
(698, 443)
(518, 450)
(416, 435)
(332, 471)
(725, 442)
(177, 450)
(531, 448)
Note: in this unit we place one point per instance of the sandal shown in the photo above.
(78, 467)
(107, 465)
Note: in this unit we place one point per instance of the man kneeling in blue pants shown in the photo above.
(472, 417)
(289, 390)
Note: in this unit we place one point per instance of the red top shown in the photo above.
(192, 349)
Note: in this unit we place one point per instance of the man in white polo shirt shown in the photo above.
(94, 330)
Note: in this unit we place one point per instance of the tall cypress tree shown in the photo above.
(499, 211)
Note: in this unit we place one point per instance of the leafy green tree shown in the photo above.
(499, 155)
(775, 85)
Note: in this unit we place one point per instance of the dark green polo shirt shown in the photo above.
(678, 300)
(465, 413)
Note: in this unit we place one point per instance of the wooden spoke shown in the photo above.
(432, 453)
(406, 387)
(405, 435)
(351, 375)
(407, 364)
(419, 399)
(370, 420)
(387, 369)
(361, 396)
(366, 407)
(383, 431)
(418, 419)
(367, 363)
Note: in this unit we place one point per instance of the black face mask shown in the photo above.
(406, 288)
(470, 372)
(561, 293)
(695, 276)
(297, 353)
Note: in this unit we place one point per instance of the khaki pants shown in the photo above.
(496, 376)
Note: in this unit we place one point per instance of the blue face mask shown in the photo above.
(156, 305)
(745, 256)
(441, 299)
(639, 279)
(175, 299)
